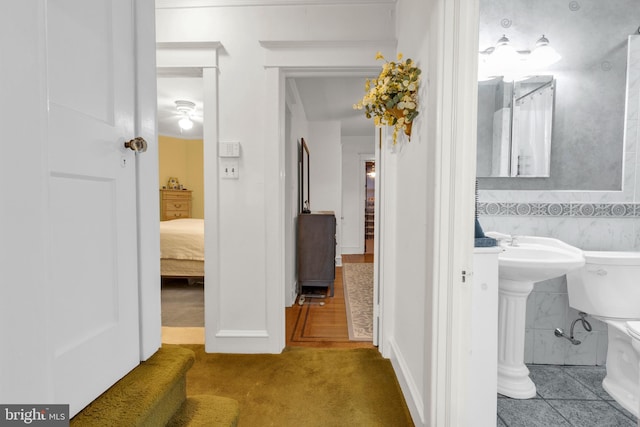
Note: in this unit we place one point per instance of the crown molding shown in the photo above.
(325, 44)
(185, 4)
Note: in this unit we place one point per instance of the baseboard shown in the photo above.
(412, 395)
(339, 261)
(293, 294)
(352, 250)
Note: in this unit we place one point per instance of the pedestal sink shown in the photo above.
(524, 261)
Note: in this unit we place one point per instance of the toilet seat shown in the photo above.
(633, 329)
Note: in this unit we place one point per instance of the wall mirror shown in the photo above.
(587, 148)
(514, 127)
(303, 177)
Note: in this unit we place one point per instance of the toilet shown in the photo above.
(608, 288)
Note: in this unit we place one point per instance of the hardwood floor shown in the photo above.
(313, 325)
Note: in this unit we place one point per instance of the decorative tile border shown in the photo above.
(610, 210)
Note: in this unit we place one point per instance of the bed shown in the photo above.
(182, 248)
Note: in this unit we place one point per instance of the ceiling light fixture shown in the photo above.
(186, 108)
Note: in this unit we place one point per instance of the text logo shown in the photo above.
(34, 415)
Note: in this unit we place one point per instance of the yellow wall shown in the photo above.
(183, 159)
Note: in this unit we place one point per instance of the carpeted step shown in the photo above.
(149, 395)
(207, 410)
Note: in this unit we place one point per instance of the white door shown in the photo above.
(92, 207)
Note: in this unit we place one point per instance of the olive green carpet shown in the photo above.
(303, 387)
(154, 394)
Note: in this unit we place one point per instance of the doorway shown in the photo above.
(369, 206)
(181, 186)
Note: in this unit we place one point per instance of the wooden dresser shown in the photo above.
(175, 204)
(316, 250)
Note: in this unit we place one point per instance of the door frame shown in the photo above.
(282, 60)
(199, 59)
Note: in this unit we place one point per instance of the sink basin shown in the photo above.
(524, 261)
(534, 259)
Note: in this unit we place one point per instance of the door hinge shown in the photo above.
(466, 274)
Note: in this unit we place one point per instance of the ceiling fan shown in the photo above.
(187, 114)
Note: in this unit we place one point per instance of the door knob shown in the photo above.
(139, 145)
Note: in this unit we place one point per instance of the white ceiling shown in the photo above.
(323, 99)
(332, 99)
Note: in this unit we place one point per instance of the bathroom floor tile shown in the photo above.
(587, 413)
(624, 411)
(591, 377)
(552, 382)
(529, 413)
(500, 423)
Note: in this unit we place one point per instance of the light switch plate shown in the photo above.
(229, 149)
(229, 169)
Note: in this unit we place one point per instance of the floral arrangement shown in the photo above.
(392, 98)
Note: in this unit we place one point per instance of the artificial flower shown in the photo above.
(391, 98)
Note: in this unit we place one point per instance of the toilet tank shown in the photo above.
(608, 285)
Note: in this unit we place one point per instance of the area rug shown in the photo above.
(358, 296)
(304, 387)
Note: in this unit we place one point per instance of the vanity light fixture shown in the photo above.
(185, 108)
(505, 60)
(504, 53)
(543, 55)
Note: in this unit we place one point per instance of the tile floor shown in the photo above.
(567, 396)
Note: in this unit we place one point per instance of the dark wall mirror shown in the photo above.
(303, 177)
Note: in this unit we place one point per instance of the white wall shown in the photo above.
(245, 318)
(432, 184)
(405, 178)
(325, 168)
(354, 149)
(297, 128)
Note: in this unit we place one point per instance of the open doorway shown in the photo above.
(369, 209)
(339, 145)
(181, 198)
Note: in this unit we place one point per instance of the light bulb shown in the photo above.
(185, 123)
(543, 55)
(504, 59)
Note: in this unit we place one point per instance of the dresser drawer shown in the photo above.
(177, 205)
(177, 195)
(173, 214)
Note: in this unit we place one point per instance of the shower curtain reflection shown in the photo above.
(531, 132)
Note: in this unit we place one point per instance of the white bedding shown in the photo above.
(182, 239)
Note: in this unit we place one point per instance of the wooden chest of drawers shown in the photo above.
(175, 204)
(316, 250)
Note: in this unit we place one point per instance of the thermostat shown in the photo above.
(229, 149)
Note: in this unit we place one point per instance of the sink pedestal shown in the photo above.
(513, 375)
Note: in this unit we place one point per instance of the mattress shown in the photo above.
(182, 239)
(181, 268)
